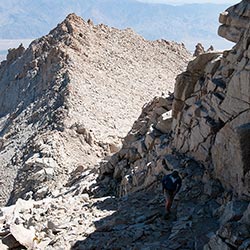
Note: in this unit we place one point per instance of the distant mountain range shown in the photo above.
(190, 23)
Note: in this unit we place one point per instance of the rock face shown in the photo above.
(235, 21)
(66, 99)
(199, 49)
(211, 110)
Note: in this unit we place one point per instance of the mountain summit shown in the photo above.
(187, 23)
(79, 83)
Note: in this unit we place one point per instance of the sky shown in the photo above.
(176, 2)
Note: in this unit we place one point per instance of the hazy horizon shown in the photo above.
(178, 2)
(188, 24)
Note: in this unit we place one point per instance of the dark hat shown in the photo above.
(175, 173)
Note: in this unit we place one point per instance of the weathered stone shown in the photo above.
(216, 243)
(44, 174)
(246, 216)
(1, 143)
(233, 211)
(166, 103)
(87, 135)
(106, 168)
(245, 245)
(52, 108)
(234, 233)
(172, 162)
(13, 54)
(213, 188)
(185, 87)
(141, 148)
(42, 162)
(211, 108)
(113, 147)
(149, 140)
(237, 99)
(211, 48)
(207, 124)
(160, 110)
(53, 227)
(199, 49)
(235, 20)
(77, 171)
(9, 242)
(198, 65)
(231, 169)
(119, 169)
(130, 138)
(42, 192)
(23, 235)
(164, 123)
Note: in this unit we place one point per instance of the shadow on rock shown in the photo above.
(136, 221)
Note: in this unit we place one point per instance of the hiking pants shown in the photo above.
(169, 197)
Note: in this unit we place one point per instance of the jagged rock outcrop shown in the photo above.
(204, 211)
(199, 49)
(137, 219)
(235, 21)
(63, 100)
(13, 54)
(143, 154)
(211, 48)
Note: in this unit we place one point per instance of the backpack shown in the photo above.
(168, 184)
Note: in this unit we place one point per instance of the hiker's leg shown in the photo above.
(168, 201)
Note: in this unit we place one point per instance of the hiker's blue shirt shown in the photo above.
(168, 183)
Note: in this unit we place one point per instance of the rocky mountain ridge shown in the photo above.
(64, 99)
(201, 130)
(30, 19)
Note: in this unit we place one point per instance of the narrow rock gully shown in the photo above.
(138, 220)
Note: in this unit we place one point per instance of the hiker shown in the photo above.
(171, 185)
